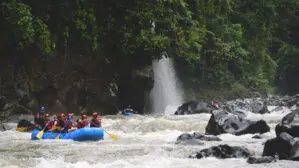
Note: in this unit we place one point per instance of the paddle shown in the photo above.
(110, 135)
(41, 133)
(21, 129)
(64, 126)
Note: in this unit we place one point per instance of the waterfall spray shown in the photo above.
(167, 91)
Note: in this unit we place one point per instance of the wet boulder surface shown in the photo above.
(260, 160)
(193, 107)
(289, 124)
(286, 143)
(252, 105)
(222, 152)
(195, 139)
(223, 121)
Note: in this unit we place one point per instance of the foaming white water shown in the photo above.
(144, 142)
(272, 117)
(170, 109)
(167, 90)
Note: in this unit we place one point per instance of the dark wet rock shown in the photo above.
(2, 127)
(187, 138)
(259, 160)
(203, 137)
(225, 122)
(223, 152)
(294, 154)
(194, 107)
(139, 81)
(289, 124)
(281, 146)
(254, 127)
(26, 124)
(257, 137)
(286, 143)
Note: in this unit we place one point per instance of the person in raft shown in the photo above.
(129, 110)
(83, 122)
(48, 122)
(95, 120)
(59, 126)
(71, 126)
(39, 120)
(55, 119)
(68, 116)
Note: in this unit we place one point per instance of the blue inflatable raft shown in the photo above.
(83, 134)
(127, 113)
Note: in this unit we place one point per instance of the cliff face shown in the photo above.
(83, 88)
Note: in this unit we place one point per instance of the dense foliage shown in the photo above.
(219, 42)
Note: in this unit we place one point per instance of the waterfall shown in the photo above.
(166, 94)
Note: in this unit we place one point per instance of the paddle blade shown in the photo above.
(40, 134)
(57, 136)
(21, 129)
(113, 137)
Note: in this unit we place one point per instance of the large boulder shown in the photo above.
(222, 121)
(260, 160)
(284, 145)
(223, 152)
(194, 107)
(195, 138)
(289, 124)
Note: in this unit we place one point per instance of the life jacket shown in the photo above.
(39, 119)
(96, 122)
(50, 125)
(82, 124)
(69, 125)
(60, 123)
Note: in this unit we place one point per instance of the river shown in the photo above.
(144, 142)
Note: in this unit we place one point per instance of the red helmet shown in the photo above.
(94, 114)
(62, 115)
(47, 115)
(68, 114)
(84, 116)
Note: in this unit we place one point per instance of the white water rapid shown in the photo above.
(144, 142)
(167, 92)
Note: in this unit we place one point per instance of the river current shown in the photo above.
(144, 142)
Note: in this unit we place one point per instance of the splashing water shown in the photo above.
(166, 91)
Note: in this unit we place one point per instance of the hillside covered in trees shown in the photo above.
(84, 55)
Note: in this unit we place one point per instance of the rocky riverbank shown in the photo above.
(231, 118)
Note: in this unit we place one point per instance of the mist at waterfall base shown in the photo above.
(167, 93)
